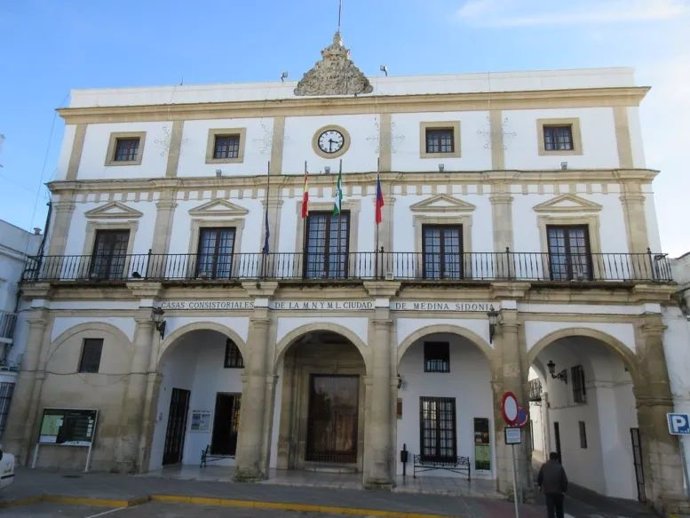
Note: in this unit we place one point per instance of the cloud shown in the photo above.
(525, 13)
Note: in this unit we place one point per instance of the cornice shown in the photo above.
(363, 179)
(530, 99)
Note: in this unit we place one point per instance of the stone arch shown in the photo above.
(202, 326)
(103, 327)
(289, 338)
(616, 346)
(477, 340)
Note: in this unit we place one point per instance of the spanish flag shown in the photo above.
(379, 200)
(305, 195)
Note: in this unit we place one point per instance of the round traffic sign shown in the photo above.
(509, 408)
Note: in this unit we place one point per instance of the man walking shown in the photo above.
(554, 483)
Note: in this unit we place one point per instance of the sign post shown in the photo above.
(679, 424)
(515, 416)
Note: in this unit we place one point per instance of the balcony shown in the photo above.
(356, 266)
(7, 323)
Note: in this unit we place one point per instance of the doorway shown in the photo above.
(177, 424)
(225, 424)
(332, 419)
(637, 463)
(557, 438)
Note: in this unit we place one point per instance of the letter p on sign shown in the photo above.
(678, 424)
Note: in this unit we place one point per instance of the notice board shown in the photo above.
(68, 427)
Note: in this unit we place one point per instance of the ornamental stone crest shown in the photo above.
(335, 74)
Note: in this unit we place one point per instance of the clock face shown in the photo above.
(331, 141)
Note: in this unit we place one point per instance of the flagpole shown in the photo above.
(340, 208)
(304, 232)
(264, 251)
(376, 249)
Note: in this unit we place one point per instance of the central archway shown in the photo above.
(320, 398)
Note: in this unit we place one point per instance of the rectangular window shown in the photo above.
(442, 251)
(326, 245)
(109, 254)
(577, 374)
(440, 140)
(233, 356)
(583, 435)
(437, 428)
(569, 252)
(226, 146)
(436, 357)
(214, 257)
(558, 138)
(90, 359)
(126, 149)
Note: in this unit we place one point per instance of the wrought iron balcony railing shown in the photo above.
(7, 323)
(334, 266)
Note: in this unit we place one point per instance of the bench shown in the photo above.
(459, 465)
(207, 456)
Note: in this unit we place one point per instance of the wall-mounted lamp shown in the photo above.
(283, 77)
(327, 169)
(494, 321)
(564, 165)
(158, 320)
(441, 167)
(563, 375)
(400, 381)
(384, 69)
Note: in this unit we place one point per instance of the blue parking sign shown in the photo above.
(678, 424)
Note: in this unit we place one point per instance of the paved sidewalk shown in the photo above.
(114, 490)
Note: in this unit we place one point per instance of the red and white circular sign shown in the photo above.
(509, 408)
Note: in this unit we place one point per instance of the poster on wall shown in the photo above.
(68, 427)
(482, 444)
(201, 420)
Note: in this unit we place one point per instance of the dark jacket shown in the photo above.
(552, 478)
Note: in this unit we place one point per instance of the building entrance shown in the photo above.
(177, 423)
(225, 424)
(332, 419)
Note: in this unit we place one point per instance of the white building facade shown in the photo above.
(320, 340)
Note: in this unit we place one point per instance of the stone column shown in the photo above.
(17, 436)
(510, 375)
(131, 420)
(251, 461)
(378, 453)
(660, 451)
(60, 226)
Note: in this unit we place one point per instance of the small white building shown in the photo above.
(189, 297)
(15, 246)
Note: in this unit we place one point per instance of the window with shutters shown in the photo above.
(214, 254)
(109, 256)
(442, 251)
(570, 257)
(326, 245)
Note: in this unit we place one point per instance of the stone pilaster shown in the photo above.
(163, 226)
(502, 217)
(131, 419)
(510, 374)
(661, 455)
(251, 460)
(17, 436)
(174, 150)
(60, 227)
(378, 457)
(633, 201)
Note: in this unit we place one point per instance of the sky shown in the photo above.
(48, 47)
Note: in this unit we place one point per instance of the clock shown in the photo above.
(331, 141)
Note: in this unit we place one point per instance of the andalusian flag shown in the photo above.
(338, 193)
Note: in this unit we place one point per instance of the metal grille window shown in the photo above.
(440, 140)
(583, 435)
(577, 374)
(436, 357)
(442, 251)
(6, 391)
(233, 356)
(109, 254)
(569, 252)
(90, 359)
(535, 390)
(437, 428)
(326, 246)
(126, 149)
(226, 146)
(558, 138)
(214, 260)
